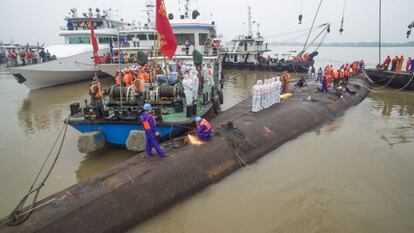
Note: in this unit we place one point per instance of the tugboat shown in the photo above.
(247, 52)
(175, 101)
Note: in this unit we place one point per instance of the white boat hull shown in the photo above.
(61, 71)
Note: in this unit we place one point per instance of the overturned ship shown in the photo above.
(139, 188)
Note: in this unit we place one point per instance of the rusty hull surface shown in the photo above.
(140, 187)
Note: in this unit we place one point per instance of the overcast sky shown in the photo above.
(39, 20)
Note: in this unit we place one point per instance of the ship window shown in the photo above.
(142, 36)
(103, 40)
(182, 37)
(79, 40)
(259, 43)
(152, 36)
(241, 44)
(202, 38)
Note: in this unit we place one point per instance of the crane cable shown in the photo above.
(341, 29)
(300, 12)
(313, 23)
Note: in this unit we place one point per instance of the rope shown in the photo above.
(241, 161)
(313, 22)
(408, 83)
(16, 217)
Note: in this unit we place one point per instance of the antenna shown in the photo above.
(249, 22)
(187, 8)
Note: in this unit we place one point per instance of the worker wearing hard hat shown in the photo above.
(204, 129)
(149, 125)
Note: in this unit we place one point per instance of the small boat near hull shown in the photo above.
(401, 80)
(116, 132)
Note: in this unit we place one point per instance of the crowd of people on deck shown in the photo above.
(28, 56)
(397, 64)
(134, 77)
(267, 93)
(299, 58)
(123, 58)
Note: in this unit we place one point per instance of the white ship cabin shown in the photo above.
(200, 35)
(76, 32)
(246, 49)
(137, 39)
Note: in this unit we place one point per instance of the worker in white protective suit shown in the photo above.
(278, 89)
(208, 76)
(268, 93)
(273, 93)
(257, 96)
(196, 83)
(263, 96)
(188, 85)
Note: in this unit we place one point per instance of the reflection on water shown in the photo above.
(96, 162)
(391, 105)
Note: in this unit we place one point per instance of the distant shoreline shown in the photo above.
(350, 44)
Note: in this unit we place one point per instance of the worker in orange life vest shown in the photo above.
(149, 125)
(204, 129)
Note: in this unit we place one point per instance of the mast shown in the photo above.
(249, 22)
(379, 34)
(187, 8)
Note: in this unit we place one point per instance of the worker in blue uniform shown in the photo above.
(204, 129)
(149, 124)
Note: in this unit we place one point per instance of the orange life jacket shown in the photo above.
(206, 124)
(336, 75)
(96, 88)
(147, 125)
(342, 73)
(128, 78)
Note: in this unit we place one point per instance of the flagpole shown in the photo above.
(119, 63)
(157, 45)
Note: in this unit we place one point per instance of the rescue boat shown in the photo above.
(120, 114)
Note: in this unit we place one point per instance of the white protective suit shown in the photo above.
(208, 79)
(266, 93)
(196, 83)
(188, 85)
(278, 89)
(257, 95)
(273, 93)
(263, 98)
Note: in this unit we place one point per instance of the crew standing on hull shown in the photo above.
(204, 129)
(149, 124)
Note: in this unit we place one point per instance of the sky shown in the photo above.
(32, 21)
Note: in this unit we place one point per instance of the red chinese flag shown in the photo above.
(168, 45)
(94, 43)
